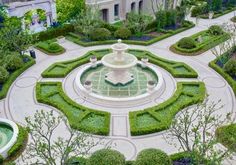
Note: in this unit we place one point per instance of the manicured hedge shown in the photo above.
(226, 76)
(52, 33)
(14, 75)
(159, 118)
(177, 69)
(216, 15)
(202, 47)
(79, 117)
(77, 39)
(227, 136)
(106, 157)
(45, 46)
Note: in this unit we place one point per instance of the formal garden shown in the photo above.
(149, 89)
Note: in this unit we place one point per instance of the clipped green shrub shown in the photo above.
(187, 43)
(106, 157)
(230, 67)
(76, 161)
(123, 33)
(20, 143)
(152, 157)
(14, 62)
(108, 26)
(215, 30)
(1, 159)
(54, 46)
(100, 34)
(3, 75)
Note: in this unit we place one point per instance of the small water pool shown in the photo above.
(6, 134)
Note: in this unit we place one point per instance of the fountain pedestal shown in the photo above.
(119, 64)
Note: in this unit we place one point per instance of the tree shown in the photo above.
(68, 10)
(138, 22)
(88, 20)
(15, 39)
(45, 149)
(193, 130)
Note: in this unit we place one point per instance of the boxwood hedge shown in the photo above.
(177, 69)
(77, 39)
(159, 118)
(212, 41)
(79, 117)
(50, 47)
(226, 76)
(14, 75)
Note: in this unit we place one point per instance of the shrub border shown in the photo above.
(165, 125)
(49, 53)
(74, 124)
(199, 49)
(13, 77)
(219, 14)
(225, 75)
(72, 37)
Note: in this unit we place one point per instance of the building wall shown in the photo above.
(124, 7)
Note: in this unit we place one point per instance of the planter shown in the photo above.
(144, 62)
(150, 86)
(88, 86)
(93, 60)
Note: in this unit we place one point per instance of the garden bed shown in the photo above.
(217, 14)
(159, 118)
(145, 40)
(50, 47)
(218, 67)
(28, 62)
(208, 41)
(177, 69)
(227, 136)
(79, 117)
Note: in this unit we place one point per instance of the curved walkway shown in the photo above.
(21, 102)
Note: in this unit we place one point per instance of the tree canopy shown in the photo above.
(69, 9)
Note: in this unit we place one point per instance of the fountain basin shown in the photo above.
(8, 136)
(119, 95)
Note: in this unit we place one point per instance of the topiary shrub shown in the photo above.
(77, 161)
(152, 157)
(100, 34)
(106, 157)
(54, 46)
(187, 43)
(230, 67)
(14, 62)
(215, 30)
(3, 75)
(123, 33)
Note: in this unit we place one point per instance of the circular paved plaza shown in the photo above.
(21, 99)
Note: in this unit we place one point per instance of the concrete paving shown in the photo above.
(21, 102)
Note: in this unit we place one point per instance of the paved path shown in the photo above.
(20, 101)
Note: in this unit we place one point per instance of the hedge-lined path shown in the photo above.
(21, 102)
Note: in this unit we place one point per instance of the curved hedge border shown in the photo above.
(177, 69)
(79, 117)
(44, 47)
(18, 147)
(159, 118)
(13, 76)
(227, 136)
(201, 48)
(76, 39)
(225, 75)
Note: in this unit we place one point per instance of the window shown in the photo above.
(116, 10)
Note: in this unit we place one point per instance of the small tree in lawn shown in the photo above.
(88, 20)
(138, 22)
(194, 131)
(46, 149)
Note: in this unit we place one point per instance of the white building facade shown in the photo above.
(115, 10)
